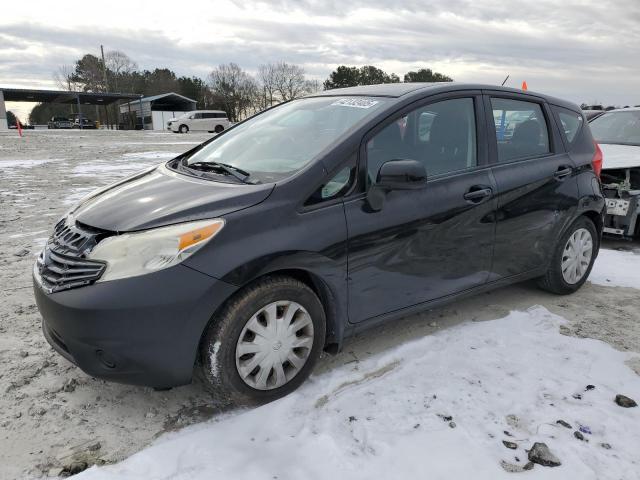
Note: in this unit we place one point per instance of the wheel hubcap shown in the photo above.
(274, 345)
(577, 254)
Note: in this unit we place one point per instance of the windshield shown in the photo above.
(277, 143)
(617, 127)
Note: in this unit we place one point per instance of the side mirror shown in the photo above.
(401, 175)
(396, 175)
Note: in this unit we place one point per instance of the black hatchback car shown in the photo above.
(282, 236)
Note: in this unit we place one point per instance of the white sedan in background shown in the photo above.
(200, 121)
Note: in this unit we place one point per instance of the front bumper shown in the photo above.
(143, 330)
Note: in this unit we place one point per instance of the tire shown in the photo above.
(183, 129)
(221, 361)
(555, 281)
(219, 129)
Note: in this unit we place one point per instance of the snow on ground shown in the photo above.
(10, 164)
(127, 164)
(151, 155)
(52, 412)
(128, 144)
(615, 268)
(508, 379)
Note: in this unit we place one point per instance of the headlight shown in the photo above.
(133, 254)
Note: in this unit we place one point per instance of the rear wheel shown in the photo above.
(573, 258)
(183, 129)
(264, 343)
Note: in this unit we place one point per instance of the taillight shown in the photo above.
(596, 162)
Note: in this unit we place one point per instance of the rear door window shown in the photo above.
(521, 129)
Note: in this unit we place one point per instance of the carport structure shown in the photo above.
(155, 111)
(58, 96)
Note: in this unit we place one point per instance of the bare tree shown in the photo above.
(64, 77)
(290, 82)
(235, 89)
(119, 67)
(267, 78)
(312, 86)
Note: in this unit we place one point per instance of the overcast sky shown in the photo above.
(579, 50)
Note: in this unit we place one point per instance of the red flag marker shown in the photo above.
(19, 127)
(524, 86)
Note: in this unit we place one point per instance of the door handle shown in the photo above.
(477, 194)
(563, 171)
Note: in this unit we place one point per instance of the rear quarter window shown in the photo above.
(570, 123)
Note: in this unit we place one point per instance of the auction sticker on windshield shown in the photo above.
(355, 102)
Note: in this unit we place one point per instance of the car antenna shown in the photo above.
(505, 81)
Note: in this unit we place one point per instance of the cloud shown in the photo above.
(578, 50)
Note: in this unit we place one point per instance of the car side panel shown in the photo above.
(533, 208)
(534, 204)
(423, 245)
(275, 236)
(581, 151)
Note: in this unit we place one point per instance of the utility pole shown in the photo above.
(104, 70)
(106, 85)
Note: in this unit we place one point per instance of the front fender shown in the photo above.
(273, 237)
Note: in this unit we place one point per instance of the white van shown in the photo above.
(200, 120)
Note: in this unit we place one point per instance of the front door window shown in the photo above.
(441, 135)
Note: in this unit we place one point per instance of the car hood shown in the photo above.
(619, 156)
(160, 196)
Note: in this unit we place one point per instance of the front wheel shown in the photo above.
(264, 343)
(572, 259)
(219, 129)
(183, 129)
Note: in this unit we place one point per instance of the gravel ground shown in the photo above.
(53, 414)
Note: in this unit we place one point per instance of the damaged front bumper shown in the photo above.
(142, 330)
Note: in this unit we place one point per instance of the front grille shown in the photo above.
(74, 240)
(63, 264)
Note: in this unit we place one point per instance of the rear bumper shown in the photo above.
(143, 330)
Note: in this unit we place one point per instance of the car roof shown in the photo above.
(628, 109)
(393, 90)
(403, 90)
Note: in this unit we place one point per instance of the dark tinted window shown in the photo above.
(214, 115)
(441, 135)
(570, 122)
(521, 129)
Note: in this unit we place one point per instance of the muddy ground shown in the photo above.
(52, 414)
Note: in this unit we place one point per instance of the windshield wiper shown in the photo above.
(225, 168)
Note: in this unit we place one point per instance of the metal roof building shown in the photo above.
(157, 109)
(57, 96)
